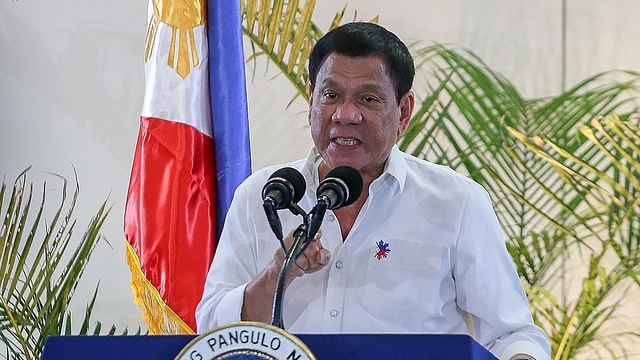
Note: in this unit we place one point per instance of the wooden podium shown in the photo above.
(324, 347)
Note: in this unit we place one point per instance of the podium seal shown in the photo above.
(246, 341)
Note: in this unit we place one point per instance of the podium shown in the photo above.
(325, 347)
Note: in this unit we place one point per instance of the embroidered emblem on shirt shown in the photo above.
(383, 249)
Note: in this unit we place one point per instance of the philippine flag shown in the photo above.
(192, 152)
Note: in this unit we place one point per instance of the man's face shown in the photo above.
(354, 115)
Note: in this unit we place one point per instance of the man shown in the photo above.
(420, 251)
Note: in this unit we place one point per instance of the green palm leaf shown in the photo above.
(608, 184)
(39, 277)
(285, 24)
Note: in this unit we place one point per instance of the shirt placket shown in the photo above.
(336, 280)
(338, 277)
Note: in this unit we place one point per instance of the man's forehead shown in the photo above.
(367, 85)
(333, 69)
(335, 55)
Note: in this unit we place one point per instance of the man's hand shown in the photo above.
(259, 292)
(314, 257)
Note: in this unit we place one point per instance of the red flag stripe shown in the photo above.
(170, 207)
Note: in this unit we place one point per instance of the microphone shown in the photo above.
(341, 187)
(284, 188)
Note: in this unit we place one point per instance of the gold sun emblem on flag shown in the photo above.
(182, 16)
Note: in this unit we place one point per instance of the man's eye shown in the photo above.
(370, 99)
(330, 95)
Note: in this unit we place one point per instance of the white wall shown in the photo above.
(71, 85)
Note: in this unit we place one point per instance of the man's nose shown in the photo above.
(347, 113)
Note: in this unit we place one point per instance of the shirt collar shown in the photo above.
(395, 167)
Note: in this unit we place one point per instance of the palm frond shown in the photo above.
(286, 24)
(535, 256)
(576, 325)
(608, 185)
(36, 285)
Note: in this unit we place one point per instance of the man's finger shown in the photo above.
(323, 256)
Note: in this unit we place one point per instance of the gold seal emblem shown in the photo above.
(182, 16)
(246, 340)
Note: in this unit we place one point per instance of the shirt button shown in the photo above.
(331, 217)
(334, 313)
(339, 264)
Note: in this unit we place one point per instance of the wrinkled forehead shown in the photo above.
(336, 62)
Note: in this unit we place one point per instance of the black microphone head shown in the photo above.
(352, 178)
(295, 178)
(289, 182)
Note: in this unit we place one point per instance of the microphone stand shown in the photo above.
(316, 215)
(299, 242)
(301, 236)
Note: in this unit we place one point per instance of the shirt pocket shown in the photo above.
(406, 283)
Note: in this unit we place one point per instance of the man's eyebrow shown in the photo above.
(375, 87)
(328, 82)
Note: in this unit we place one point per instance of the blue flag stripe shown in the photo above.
(228, 101)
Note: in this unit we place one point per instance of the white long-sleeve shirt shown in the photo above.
(425, 251)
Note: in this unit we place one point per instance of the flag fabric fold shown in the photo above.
(192, 151)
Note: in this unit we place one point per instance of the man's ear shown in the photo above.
(310, 92)
(406, 109)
